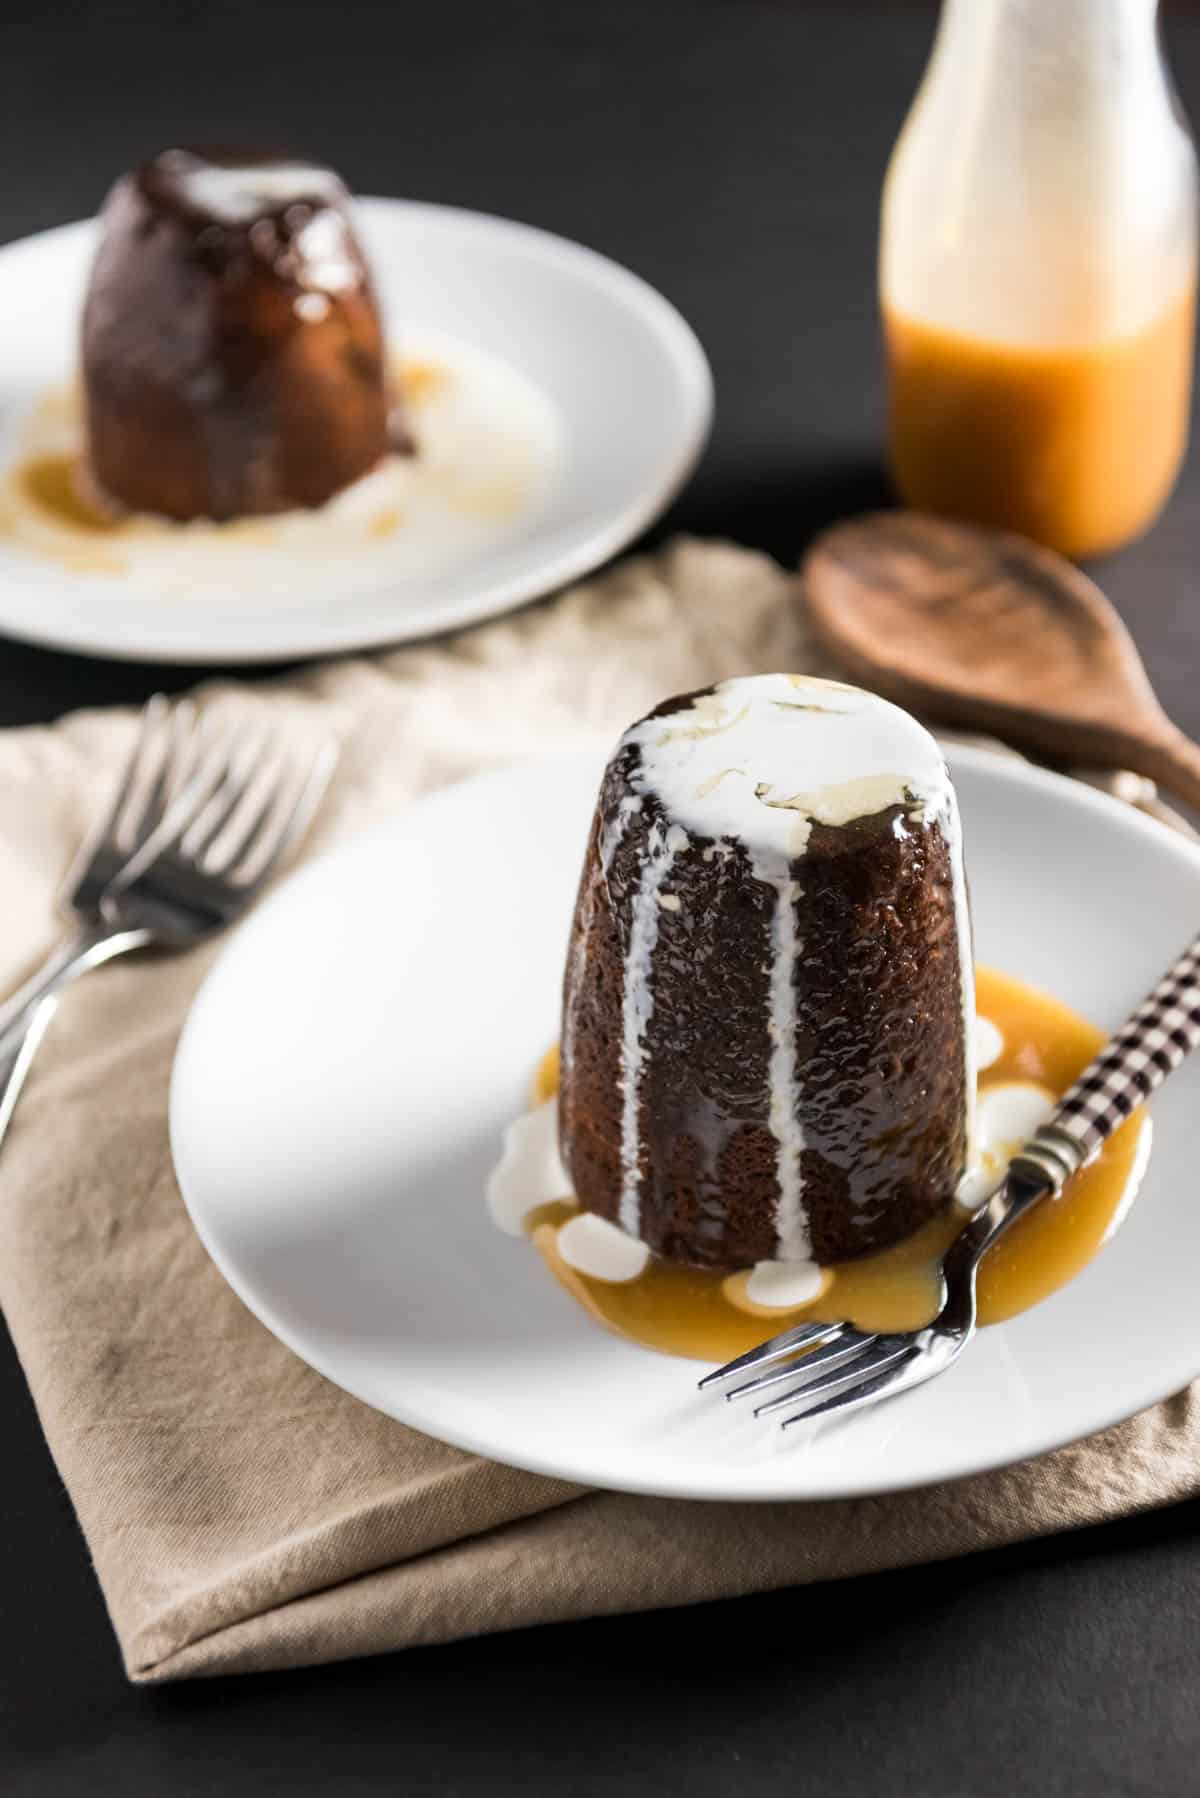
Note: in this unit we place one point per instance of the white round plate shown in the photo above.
(609, 363)
(351, 1062)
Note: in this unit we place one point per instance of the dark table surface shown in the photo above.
(730, 151)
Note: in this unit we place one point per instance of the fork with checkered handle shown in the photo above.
(1149, 1045)
(831, 1368)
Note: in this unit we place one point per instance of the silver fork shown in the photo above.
(832, 1368)
(199, 822)
(154, 763)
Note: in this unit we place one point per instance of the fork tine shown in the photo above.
(110, 838)
(243, 761)
(883, 1354)
(262, 797)
(205, 771)
(840, 1348)
(284, 820)
(163, 779)
(191, 736)
(775, 1349)
(893, 1378)
(153, 716)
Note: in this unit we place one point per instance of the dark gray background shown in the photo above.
(730, 151)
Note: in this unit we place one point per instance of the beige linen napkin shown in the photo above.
(242, 1512)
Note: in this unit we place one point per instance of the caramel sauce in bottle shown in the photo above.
(1037, 273)
(1076, 446)
(707, 1316)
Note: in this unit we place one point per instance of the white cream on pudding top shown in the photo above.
(238, 193)
(763, 757)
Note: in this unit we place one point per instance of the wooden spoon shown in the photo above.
(987, 631)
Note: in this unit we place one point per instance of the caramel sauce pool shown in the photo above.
(685, 1311)
(56, 484)
(51, 483)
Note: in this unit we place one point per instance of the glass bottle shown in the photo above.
(1038, 273)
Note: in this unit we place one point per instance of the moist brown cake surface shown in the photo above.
(879, 1037)
(233, 358)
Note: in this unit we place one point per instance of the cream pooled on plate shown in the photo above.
(531, 1174)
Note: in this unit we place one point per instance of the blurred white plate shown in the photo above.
(602, 388)
(350, 1064)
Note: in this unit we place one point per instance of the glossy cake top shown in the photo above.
(291, 213)
(762, 758)
(233, 356)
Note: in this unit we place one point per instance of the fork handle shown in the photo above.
(1025, 1187)
(25, 1017)
(17, 1053)
(1135, 1061)
(86, 947)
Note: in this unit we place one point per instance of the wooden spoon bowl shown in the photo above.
(987, 631)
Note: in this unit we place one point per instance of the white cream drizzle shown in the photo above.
(238, 195)
(530, 1171)
(326, 259)
(793, 1239)
(1008, 1113)
(531, 1174)
(783, 1285)
(637, 1007)
(311, 307)
(593, 1246)
(724, 768)
(989, 1043)
(980, 1181)
(1137, 1172)
(951, 828)
(728, 767)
